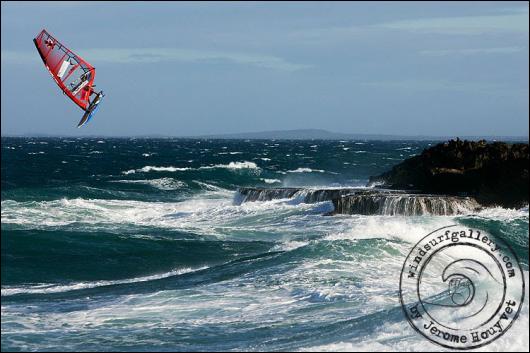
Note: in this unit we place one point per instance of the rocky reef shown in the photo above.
(492, 173)
(456, 177)
(366, 202)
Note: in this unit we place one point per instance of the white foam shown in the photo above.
(289, 245)
(210, 187)
(500, 213)
(234, 165)
(407, 228)
(162, 183)
(306, 170)
(348, 347)
(271, 181)
(374, 184)
(231, 166)
(149, 168)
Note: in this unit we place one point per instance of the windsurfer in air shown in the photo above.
(74, 86)
(73, 75)
(92, 107)
(96, 99)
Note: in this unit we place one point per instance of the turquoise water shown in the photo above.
(136, 244)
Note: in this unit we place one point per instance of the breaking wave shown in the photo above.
(45, 288)
(230, 166)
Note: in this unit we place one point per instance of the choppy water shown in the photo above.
(137, 244)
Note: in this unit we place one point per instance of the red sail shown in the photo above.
(74, 75)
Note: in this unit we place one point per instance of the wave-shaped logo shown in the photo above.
(461, 288)
(472, 294)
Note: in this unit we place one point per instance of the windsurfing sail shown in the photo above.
(74, 76)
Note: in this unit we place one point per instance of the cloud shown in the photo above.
(516, 22)
(505, 21)
(472, 51)
(153, 55)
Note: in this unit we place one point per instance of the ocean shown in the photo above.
(140, 244)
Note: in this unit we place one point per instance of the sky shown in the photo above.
(183, 69)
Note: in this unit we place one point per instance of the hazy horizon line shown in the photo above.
(240, 135)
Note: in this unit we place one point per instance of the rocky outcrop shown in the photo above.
(493, 173)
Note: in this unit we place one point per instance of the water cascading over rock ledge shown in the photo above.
(306, 195)
(395, 204)
(366, 202)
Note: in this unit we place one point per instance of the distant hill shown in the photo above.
(319, 134)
